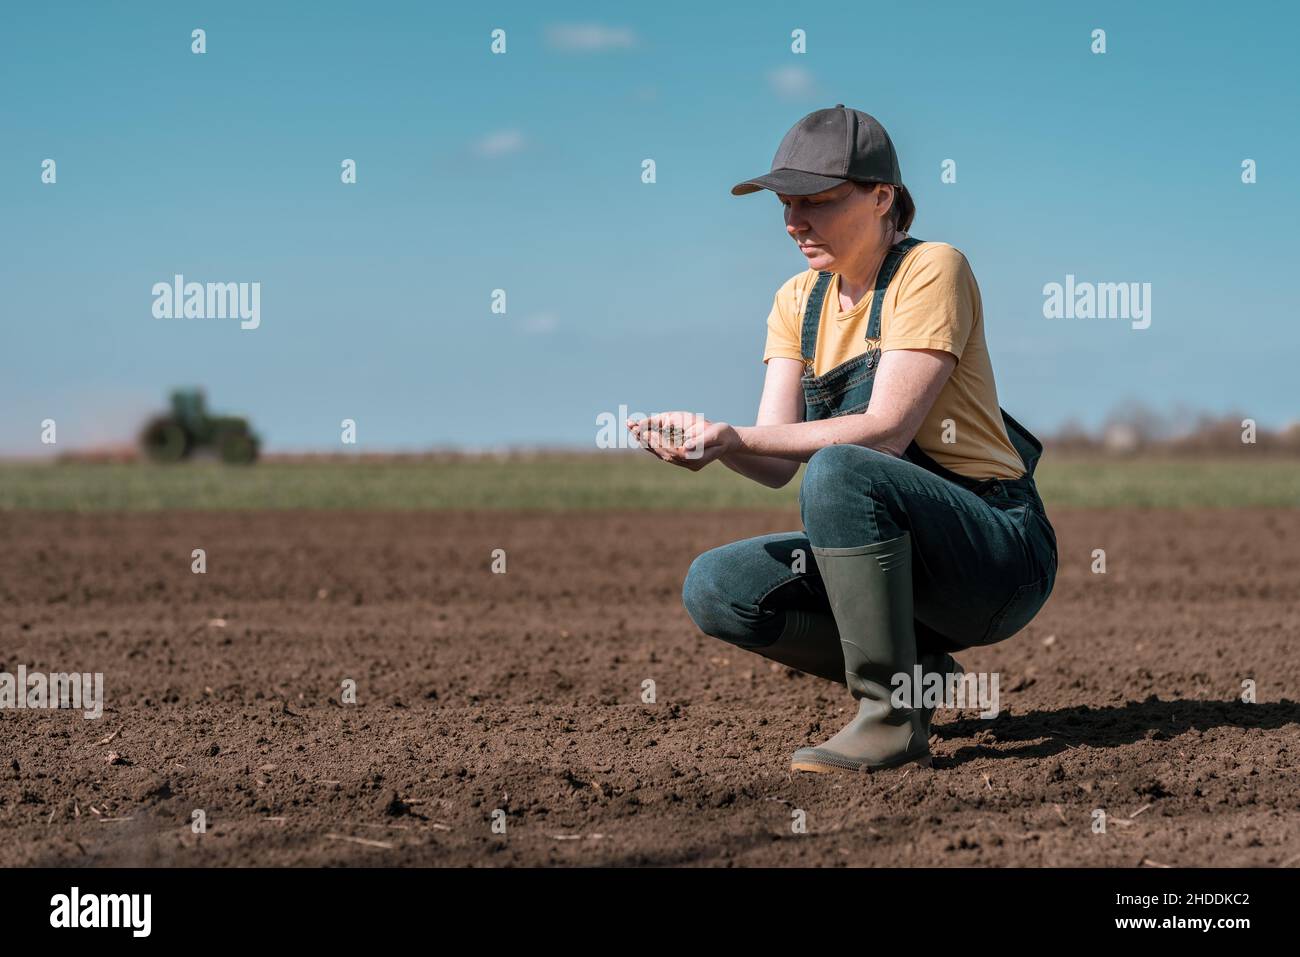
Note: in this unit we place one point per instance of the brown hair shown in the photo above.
(902, 210)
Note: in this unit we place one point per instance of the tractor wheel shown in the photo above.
(237, 448)
(165, 440)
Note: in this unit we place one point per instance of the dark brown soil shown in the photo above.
(522, 692)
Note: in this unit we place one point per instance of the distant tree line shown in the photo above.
(1135, 427)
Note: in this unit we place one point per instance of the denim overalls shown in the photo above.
(846, 390)
(984, 553)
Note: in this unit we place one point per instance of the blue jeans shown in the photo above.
(982, 564)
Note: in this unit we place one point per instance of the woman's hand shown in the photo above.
(696, 443)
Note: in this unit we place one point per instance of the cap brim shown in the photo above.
(791, 182)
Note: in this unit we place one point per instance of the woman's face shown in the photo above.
(828, 226)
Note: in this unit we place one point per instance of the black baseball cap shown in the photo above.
(830, 147)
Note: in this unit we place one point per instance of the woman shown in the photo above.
(923, 532)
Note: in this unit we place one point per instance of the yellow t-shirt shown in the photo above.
(933, 302)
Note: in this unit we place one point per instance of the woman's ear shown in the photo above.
(888, 196)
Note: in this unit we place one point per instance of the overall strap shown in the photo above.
(1026, 444)
(812, 317)
(813, 311)
(883, 279)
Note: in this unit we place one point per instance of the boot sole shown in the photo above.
(826, 765)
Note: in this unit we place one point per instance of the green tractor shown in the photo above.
(189, 429)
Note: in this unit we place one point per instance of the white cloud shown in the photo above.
(588, 37)
(541, 324)
(501, 143)
(792, 82)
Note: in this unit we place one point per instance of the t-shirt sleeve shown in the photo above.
(936, 304)
(784, 323)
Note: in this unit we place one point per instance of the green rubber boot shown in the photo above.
(870, 592)
(945, 664)
(810, 642)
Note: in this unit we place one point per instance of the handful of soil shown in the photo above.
(670, 434)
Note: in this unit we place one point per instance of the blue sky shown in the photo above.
(522, 172)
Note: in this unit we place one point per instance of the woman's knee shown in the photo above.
(701, 594)
(714, 607)
(848, 486)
